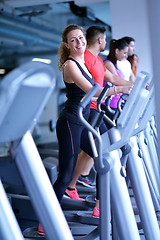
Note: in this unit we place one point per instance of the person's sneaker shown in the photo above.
(95, 212)
(40, 230)
(73, 194)
(85, 181)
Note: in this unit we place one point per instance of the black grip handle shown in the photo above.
(87, 98)
(102, 96)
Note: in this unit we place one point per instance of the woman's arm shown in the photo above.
(110, 66)
(113, 78)
(72, 74)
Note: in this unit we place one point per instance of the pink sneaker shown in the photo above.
(40, 230)
(95, 212)
(73, 194)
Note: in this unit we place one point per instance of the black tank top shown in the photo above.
(74, 96)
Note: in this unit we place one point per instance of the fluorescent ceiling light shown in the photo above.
(2, 71)
(44, 60)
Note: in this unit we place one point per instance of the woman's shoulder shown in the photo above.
(71, 69)
(108, 63)
(107, 60)
(69, 63)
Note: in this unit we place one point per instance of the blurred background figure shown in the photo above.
(125, 66)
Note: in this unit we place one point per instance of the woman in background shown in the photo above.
(118, 50)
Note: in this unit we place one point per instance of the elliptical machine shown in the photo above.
(106, 149)
(23, 95)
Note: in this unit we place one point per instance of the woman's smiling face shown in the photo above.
(76, 41)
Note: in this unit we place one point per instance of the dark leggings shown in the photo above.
(69, 137)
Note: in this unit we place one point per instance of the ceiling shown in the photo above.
(34, 27)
